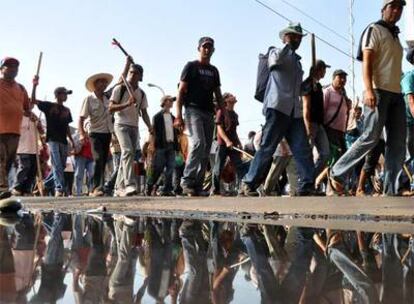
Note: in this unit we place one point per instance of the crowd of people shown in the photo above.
(112, 258)
(315, 139)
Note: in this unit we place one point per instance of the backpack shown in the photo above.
(263, 74)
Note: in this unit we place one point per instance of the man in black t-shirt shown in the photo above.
(58, 118)
(200, 81)
(313, 113)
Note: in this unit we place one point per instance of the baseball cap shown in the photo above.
(339, 72)
(59, 90)
(167, 97)
(136, 67)
(8, 60)
(410, 55)
(205, 40)
(386, 2)
(321, 64)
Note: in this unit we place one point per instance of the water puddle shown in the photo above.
(96, 257)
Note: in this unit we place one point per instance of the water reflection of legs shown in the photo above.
(258, 253)
(196, 285)
(122, 278)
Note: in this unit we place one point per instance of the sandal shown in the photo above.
(336, 187)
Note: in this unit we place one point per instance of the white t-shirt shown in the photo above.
(168, 124)
(387, 65)
(129, 116)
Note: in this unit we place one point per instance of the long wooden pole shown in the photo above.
(313, 48)
(40, 185)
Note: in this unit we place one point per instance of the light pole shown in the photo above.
(151, 85)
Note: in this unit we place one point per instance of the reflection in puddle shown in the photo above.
(90, 258)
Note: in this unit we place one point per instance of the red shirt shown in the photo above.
(86, 150)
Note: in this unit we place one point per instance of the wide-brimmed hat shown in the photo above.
(292, 28)
(90, 82)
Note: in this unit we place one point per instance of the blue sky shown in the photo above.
(162, 35)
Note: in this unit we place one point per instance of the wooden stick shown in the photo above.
(39, 63)
(39, 176)
(118, 44)
(243, 152)
(407, 171)
(313, 48)
(127, 86)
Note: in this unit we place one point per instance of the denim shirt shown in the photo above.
(283, 91)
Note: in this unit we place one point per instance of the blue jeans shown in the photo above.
(196, 285)
(389, 112)
(221, 156)
(163, 158)
(362, 284)
(200, 125)
(277, 126)
(257, 251)
(82, 164)
(58, 155)
(26, 172)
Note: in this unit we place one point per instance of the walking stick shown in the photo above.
(118, 44)
(243, 152)
(407, 171)
(39, 177)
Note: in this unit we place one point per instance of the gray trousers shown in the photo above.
(390, 112)
(279, 164)
(321, 142)
(200, 125)
(127, 137)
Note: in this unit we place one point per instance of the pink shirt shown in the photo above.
(331, 101)
(27, 140)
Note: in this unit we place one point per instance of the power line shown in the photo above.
(289, 20)
(316, 20)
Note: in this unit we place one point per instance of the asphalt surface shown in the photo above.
(379, 214)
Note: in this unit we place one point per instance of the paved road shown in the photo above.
(383, 214)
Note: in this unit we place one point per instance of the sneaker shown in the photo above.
(16, 192)
(5, 194)
(167, 193)
(59, 194)
(202, 193)
(130, 191)
(188, 190)
(119, 193)
(247, 191)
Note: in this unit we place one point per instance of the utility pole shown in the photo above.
(352, 42)
(409, 22)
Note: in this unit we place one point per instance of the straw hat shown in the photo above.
(91, 80)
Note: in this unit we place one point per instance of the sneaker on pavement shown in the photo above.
(16, 192)
(130, 190)
(247, 191)
(188, 190)
(59, 194)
